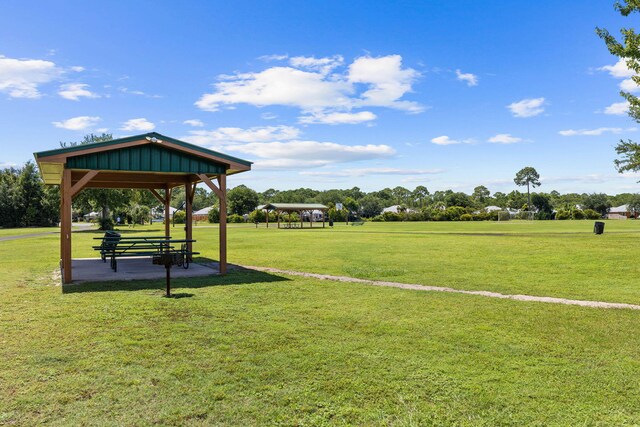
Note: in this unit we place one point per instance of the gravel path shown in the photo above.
(552, 300)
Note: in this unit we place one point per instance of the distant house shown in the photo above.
(396, 209)
(621, 212)
(316, 215)
(92, 216)
(493, 208)
(202, 214)
(159, 212)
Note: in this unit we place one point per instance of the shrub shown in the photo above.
(482, 216)
(453, 213)
(179, 217)
(391, 216)
(563, 214)
(591, 214)
(378, 218)
(544, 215)
(466, 217)
(577, 214)
(235, 218)
(213, 216)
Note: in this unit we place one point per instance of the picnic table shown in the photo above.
(114, 246)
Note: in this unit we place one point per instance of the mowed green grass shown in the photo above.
(548, 258)
(263, 349)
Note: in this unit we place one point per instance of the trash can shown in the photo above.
(598, 227)
(330, 222)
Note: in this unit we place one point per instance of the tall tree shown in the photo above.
(242, 200)
(527, 176)
(627, 50)
(599, 202)
(99, 198)
(481, 194)
(420, 196)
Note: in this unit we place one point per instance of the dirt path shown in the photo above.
(552, 300)
(24, 236)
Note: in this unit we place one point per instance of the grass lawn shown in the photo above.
(260, 349)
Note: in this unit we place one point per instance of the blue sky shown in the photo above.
(329, 94)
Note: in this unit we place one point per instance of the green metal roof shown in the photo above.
(145, 158)
(136, 138)
(146, 153)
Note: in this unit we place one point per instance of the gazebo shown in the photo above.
(150, 161)
(299, 208)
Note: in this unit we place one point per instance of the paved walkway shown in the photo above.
(24, 236)
(552, 300)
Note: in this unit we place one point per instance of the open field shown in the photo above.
(262, 349)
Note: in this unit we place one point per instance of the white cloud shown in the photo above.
(470, 79)
(138, 124)
(618, 70)
(311, 153)
(387, 81)
(20, 78)
(232, 135)
(445, 140)
(527, 107)
(77, 69)
(312, 85)
(617, 108)
(594, 132)
(77, 123)
(74, 91)
(338, 118)
(268, 116)
(137, 92)
(279, 147)
(287, 164)
(504, 138)
(358, 172)
(194, 123)
(269, 58)
(278, 86)
(102, 130)
(628, 85)
(7, 165)
(323, 65)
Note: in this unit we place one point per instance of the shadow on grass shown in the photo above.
(236, 276)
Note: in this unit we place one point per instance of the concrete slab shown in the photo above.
(134, 268)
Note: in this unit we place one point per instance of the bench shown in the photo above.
(115, 246)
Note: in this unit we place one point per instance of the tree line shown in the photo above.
(25, 201)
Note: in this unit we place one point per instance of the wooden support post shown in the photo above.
(189, 191)
(311, 218)
(301, 220)
(323, 215)
(167, 212)
(222, 183)
(221, 192)
(267, 212)
(65, 227)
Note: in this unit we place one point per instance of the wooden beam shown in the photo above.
(211, 185)
(82, 182)
(65, 227)
(222, 182)
(189, 190)
(157, 195)
(167, 212)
